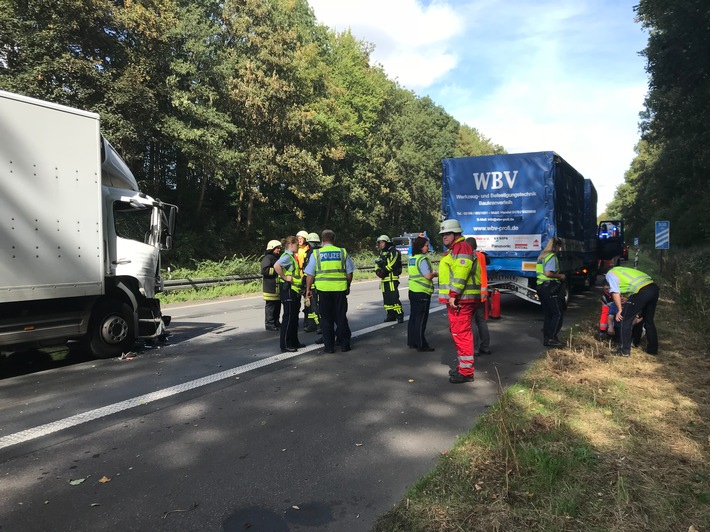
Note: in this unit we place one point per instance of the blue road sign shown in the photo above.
(663, 235)
(636, 241)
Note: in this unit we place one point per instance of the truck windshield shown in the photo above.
(132, 223)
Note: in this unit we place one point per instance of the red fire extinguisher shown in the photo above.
(495, 305)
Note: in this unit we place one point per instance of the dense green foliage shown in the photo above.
(250, 116)
(668, 178)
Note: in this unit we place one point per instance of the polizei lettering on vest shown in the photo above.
(495, 179)
(330, 255)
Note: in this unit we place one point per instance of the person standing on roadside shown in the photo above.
(289, 272)
(642, 297)
(331, 268)
(270, 286)
(460, 291)
(481, 334)
(389, 268)
(311, 303)
(549, 288)
(421, 287)
(303, 249)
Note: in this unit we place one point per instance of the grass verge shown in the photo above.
(585, 442)
(239, 266)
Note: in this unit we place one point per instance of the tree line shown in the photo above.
(669, 177)
(249, 115)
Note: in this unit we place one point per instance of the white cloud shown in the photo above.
(410, 39)
(561, 75)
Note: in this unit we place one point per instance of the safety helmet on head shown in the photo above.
(273, 244)
(450, 226)
(313, 237)
(302, 234)
(383, 238)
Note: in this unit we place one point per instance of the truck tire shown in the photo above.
(564, 295)
(111, 330)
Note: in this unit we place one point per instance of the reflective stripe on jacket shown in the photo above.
(295, 272)
(630, 280)
(330, 268)
(417, 281)
(483, 274)
(392, 263)
(540, 268)
(457, 277)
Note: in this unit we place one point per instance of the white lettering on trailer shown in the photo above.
(495, 179)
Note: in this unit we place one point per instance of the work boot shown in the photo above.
(551, 342)
(484, 352)
(458, 378)
(345, 347)
(309, 328)
(400, 318)
(389, 318)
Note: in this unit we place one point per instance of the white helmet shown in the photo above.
(383, 238)
(303, 234)
(450, 226)
(313, 237)
(273, 244)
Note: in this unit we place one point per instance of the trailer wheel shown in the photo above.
(564, 295)
(111, 331)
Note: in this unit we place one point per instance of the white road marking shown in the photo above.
(72, 421)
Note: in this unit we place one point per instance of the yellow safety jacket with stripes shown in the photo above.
(540, 268)
(417, 281)
(331, 275)
(295, 272)
(630, 280)
(459, 274)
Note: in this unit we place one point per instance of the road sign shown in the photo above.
(663, 235)
(636, 241)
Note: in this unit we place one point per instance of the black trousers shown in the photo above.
(644, 303)
(419, 304)
(272, 313)
(333, 307)
(551, 309)
(291, 302)
(390, 297)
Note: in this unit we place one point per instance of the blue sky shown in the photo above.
(532, 75)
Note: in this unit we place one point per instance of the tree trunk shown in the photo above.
(201, 197)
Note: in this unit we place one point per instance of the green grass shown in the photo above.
(240, 266)
(585, 441)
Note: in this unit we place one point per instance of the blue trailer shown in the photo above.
(513, 204)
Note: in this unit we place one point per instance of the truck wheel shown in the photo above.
(111, 331)
(564, 295)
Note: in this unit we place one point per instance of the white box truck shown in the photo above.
(79, 243)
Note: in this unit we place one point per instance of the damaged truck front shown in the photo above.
(80, 251)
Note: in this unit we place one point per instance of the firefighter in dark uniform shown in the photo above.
(389, 268)
(270, 288)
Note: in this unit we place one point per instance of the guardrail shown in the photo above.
(195, 284)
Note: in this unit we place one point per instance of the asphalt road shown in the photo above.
(216, 430)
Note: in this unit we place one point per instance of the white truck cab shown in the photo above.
(80, 244)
